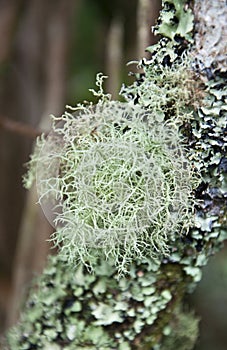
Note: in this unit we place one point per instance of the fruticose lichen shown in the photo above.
(72, 308)
(121, 184)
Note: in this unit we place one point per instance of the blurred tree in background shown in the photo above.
(35, 43)
(50, 52)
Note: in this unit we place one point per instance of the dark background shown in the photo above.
(50, 53)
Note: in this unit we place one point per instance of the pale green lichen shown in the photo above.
(30, 176)
(176, 19)
(121, 183)
(163, 90)
(72, 308)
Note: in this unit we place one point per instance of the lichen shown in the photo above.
(176, 19)
(120, 181)
(73, 308)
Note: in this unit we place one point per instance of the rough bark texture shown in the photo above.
(210, 37)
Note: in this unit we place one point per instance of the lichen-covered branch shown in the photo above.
(143, 307)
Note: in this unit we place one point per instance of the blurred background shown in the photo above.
(50, 53)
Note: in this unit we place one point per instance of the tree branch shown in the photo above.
(18, 127)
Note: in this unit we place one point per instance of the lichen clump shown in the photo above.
(74, 309)
(119, 182)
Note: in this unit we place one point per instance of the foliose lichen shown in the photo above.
(75, 309)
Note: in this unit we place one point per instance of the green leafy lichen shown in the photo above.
(176, 20)
(72, 308)
(75, 309)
